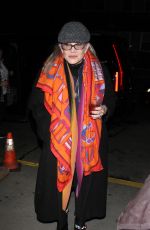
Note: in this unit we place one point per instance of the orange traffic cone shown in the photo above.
(10, 161)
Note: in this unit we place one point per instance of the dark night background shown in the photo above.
(28, 33)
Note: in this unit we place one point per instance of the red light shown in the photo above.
(116, 82)
(120, 71)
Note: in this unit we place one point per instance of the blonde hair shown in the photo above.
(49, 61)
(91, 48)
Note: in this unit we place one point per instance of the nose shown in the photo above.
(72, 49)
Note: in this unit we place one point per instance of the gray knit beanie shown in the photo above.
(74, 32)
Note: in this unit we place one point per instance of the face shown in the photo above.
(74, 52)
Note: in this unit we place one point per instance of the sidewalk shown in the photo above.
(17, 197)
(128, 160)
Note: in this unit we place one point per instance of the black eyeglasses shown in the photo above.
(77, 46)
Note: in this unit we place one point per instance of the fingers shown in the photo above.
(98, 112)
(96, 116)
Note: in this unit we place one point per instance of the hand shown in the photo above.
(98, 111)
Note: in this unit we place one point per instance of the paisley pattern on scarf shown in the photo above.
(56, 101)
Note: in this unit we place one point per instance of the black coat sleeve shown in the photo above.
(109, 97)
(41, 117)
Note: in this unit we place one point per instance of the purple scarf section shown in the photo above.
(79, 167)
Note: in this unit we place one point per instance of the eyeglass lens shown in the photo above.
(77, 46)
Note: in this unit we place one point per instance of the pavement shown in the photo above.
(128, 168)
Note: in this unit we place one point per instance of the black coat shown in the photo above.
(91, 202)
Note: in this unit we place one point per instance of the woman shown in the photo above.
(71, 102)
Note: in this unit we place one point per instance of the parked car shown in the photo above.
(113, 51)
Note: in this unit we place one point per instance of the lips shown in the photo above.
(72, 56)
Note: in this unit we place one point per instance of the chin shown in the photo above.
(73, 62)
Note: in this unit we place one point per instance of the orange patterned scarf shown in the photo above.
(56, 100)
